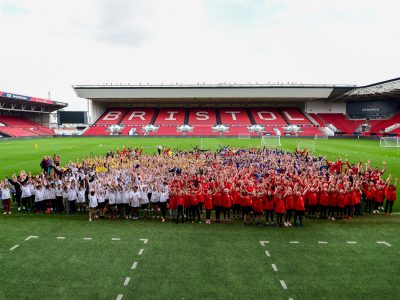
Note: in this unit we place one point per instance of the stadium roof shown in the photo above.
(381, 90)
(222, 92)
(121, 93)
(15, 102)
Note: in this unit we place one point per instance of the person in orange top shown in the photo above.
(390, 196)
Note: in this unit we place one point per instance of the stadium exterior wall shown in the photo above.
(325, 107)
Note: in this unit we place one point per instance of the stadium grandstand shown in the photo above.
(243, 109)
(24, 116)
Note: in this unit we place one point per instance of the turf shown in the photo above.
(194, 261)
(24, 155)
(197, 261)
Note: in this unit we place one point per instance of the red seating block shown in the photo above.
(237, 116)
(170, 116)
(111, 116)
(341, 123)
(138, 116)
(202, 116)
(294, 116)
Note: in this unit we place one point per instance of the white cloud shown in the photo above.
(55, 44)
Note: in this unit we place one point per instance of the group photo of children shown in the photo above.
(254, 186)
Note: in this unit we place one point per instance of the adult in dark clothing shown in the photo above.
(16, 182)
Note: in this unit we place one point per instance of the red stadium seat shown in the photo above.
(111, 116)
(202, 131)
(378, 126)
(97, 130)
(138, 116)
(341, 123)
(267, 116)
(294, 116)
(15, 127)
(235, 131)
(170, 116)
(318, 120)
(234, 116)
(202, 116)
(167, 131)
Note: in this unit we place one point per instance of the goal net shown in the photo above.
(320, 137)
(244, 136)
(307, 145)
(390, 142)
(270, 141)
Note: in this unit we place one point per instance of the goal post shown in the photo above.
(320, 137)
(244, 136)
(389, 142)
(270, 141)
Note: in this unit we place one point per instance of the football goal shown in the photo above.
(270, 141)
(389, 142)
(244, 136)
(320, 137)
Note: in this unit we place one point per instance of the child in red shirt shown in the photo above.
(279, 210)
(208, 205)
(298, 209)
(269, 208)
(390, 196)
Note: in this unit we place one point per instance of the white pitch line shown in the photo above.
(384, 243)
(87, 239)
(283, 284)
(140, 252)
(144, 240)
(267, 253)
(126, 282)
(134, 265)
(61, 238)
(322, 242)
(119, 297)
(294, 242)
(351, 242)
(31, 237)
(14, 247)
(291, 299)
(274, 267)
(115, 239)
(262, 243)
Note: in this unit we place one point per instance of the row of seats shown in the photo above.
(203, 119)
(19, 127)
(378, 126)
(340, 121)
(203, 116)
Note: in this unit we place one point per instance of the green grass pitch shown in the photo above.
(23, 154)
(194, 261)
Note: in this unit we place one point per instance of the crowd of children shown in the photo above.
(258, 186)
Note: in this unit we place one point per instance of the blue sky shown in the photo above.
(52, 45)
